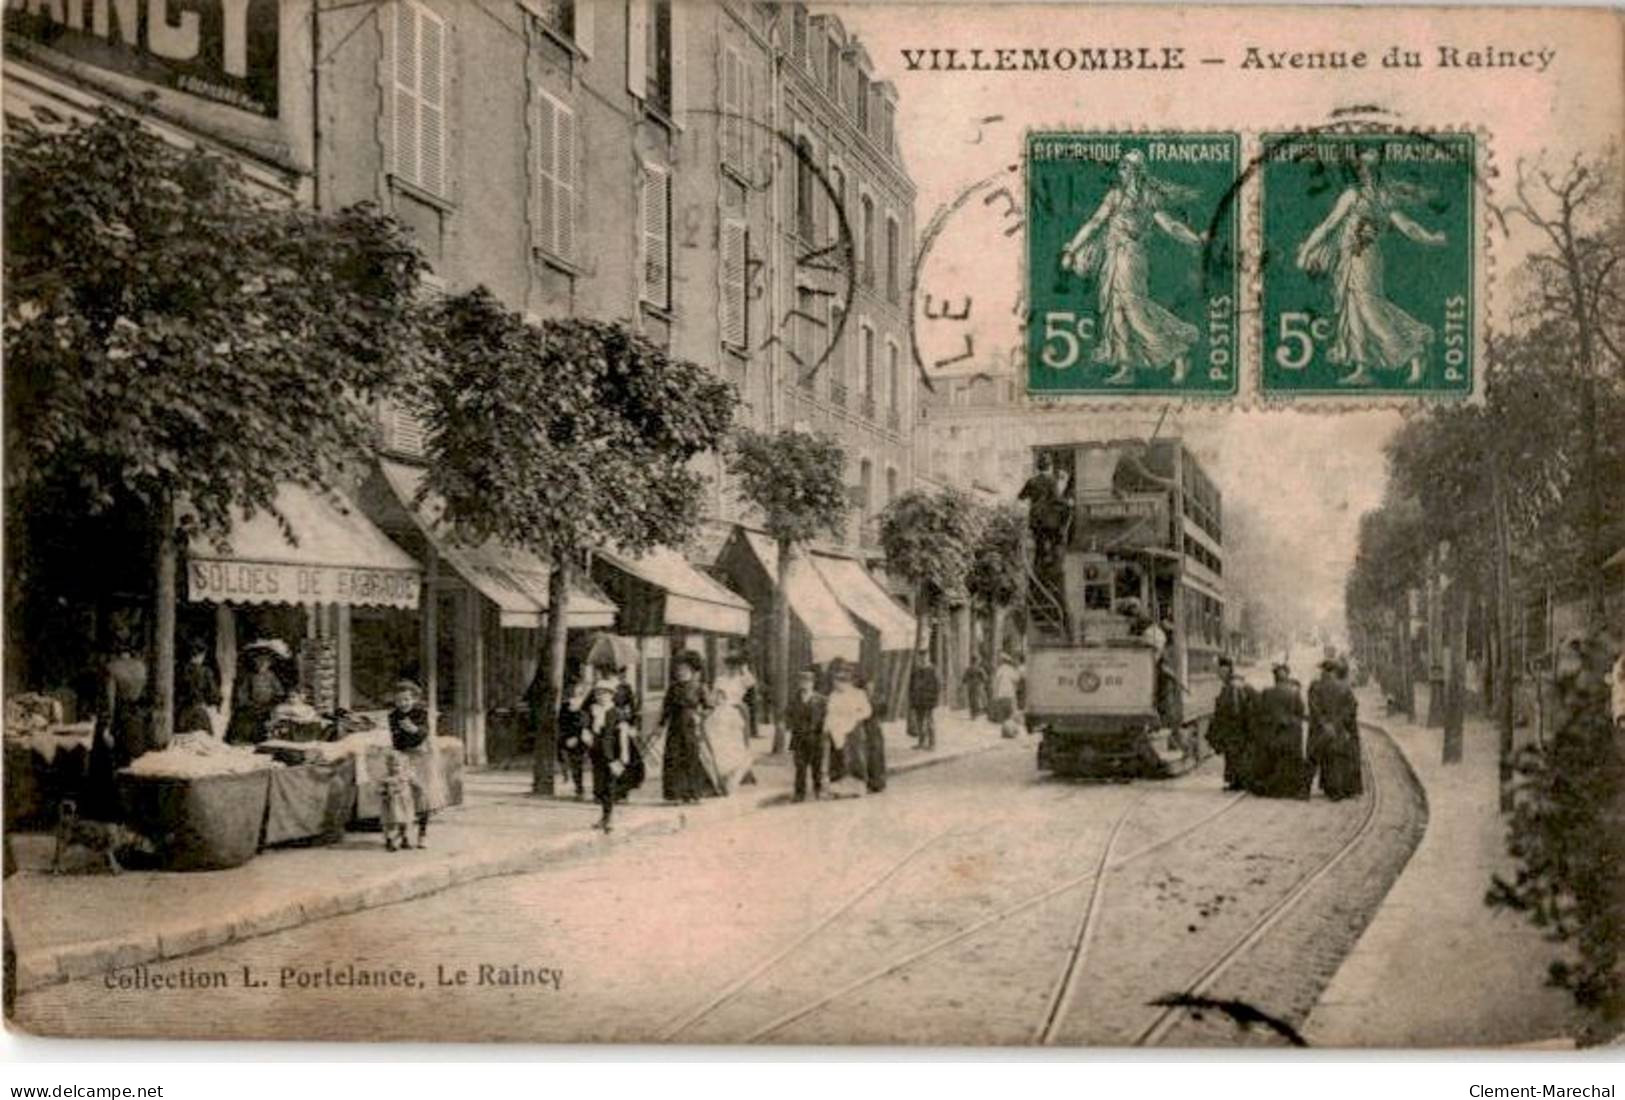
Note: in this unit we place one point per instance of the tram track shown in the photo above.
(1072, 971)
(904, 962)
(1169, 1015)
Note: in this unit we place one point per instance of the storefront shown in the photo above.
(260, 586)
(666, 606)
(820, 628)
(478, 642)
(887, 629)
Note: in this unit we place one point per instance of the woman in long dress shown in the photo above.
(684, 776)
(1372, 332)
(846, 717)
(1135, 331)
(123, 727)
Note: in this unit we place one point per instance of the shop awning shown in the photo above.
(692, 599)
(339, 558)
(515, 580)
(866, 601)
(812, 603)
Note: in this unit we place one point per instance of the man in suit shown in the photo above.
(924, 692)
(1281, 713)
(806, 719)
(1227, 731)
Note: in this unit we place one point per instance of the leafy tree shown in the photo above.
(930, 539)
(173, 335)
(795, 479)
(562, 438)
(998, 570)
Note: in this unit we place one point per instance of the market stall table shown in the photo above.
(43, 767)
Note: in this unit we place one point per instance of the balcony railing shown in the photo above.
(837, 395)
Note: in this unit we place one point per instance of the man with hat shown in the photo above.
(805, 717)
(1227, 731)
(924, 692)
(1280, 771)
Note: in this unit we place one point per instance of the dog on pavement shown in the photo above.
(103, 839)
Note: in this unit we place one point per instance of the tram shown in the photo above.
(1125, 608)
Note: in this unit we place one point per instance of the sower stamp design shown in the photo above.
(1131, 263)
(1367, 264)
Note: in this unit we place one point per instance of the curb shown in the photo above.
(55, 966)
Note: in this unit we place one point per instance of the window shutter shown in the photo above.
(733, 127)
(405, 82)
(565, 160)
(735, 240)
(404, 431)
(656, 217)
(432, 93)
(547, 199)
(419, 97)
(584, 25)
(637, 48)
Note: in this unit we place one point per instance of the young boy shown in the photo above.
(409, 734)
(806, 719)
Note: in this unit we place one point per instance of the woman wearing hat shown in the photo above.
(257, 692)
(684, 777)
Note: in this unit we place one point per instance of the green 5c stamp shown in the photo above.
(1367, 264)
(1131, 263)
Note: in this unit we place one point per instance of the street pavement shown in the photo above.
(976, 902)
(1438, 967)
(82, 924)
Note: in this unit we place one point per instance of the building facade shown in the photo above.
(723, 177)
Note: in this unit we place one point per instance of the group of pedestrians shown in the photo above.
(1276, 745)
(836, 734)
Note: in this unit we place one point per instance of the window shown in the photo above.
(866, 477)
(655, 665)
(798, 36)
(868, 267)
(891, 484)
(868, 363)
(804, 329)
(658, 44)
(418, 100)
(733, 106)
(565, 18)
(893, 377)
(804, 187)
(888, 137)
(837, 199)
(837, 346)
(862, 104)
(655, 216)
(556, 168)
(734, 318)
(893, 247)
(832, 70)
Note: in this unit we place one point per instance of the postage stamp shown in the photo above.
(1131, 263)
(1367, 264)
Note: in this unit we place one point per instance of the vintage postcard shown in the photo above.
(720, 522)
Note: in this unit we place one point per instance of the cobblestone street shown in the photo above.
(967, 904)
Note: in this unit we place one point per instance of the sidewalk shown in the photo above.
(1437, 967)
(72, 926)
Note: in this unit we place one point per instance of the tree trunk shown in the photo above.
(163, 636)
(544, 765)
(781, 649)
(1506, 678)
(1402, 659)
(1455, 639)
(1437, 634)
(919, 640)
